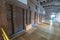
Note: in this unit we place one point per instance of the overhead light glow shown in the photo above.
(23, 1)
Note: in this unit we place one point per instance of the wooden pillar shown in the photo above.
(0, 28)
(3, 20)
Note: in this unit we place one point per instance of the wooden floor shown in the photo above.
(41, 32)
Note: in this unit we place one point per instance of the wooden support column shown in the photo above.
(3, 20)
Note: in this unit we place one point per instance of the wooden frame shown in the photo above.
(19, 4)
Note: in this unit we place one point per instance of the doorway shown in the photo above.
(15, 19)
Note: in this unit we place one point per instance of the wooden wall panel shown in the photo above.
(9, 18)
(15, 19)
(3, 21)
(35, 18)
(26, 17)
(18, 18)
(30, 17)
(0, 29)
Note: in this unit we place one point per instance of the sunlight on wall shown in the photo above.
(58, 17)
(51, 27)
(23, 1)
(4, 34)
(51, 22)
(28, 27)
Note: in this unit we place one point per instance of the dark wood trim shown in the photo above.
(17, 34)
(30, 16)
(23, 19)
(12, 19)
(34, 17)
(27, 17)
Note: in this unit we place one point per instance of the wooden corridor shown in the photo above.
(41, 32)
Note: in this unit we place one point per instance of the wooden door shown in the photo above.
(15, 19)
(9, 16)
(18, 18)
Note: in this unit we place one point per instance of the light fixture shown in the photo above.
(23, 1)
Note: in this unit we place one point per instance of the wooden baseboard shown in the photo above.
(17, 34)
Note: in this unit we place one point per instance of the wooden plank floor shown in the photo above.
(40, 32)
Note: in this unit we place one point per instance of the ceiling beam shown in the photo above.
(52, 3)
